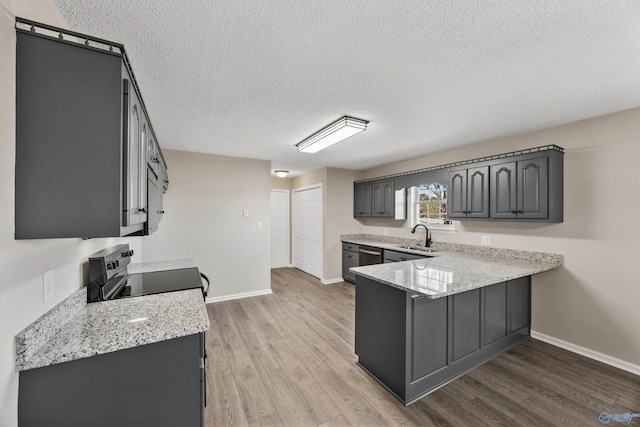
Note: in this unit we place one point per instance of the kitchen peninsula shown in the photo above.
(420, 324)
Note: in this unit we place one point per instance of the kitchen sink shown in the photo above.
(417, 248)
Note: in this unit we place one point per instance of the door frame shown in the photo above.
(293, 224)
(289, 262)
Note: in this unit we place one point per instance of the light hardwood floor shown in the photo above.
(287, 359)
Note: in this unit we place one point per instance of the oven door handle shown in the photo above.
(364, 251)
(208, 284)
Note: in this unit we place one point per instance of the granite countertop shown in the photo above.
(453, 268)
(74, 329)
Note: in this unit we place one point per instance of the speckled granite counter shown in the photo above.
(74, 329)
(452, 268)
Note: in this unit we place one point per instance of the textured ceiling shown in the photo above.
(252, 78)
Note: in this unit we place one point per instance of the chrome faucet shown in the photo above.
(427, 241)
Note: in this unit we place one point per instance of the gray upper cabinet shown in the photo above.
(374, 199)
(82, 139)
(362, 200)
(525, 185)
(468, 193)
(520, 189)
(383, 199)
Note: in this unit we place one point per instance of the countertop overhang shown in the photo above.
(452, 269)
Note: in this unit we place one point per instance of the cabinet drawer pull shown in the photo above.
(514, 212)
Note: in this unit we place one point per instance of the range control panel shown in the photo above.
(109, 263)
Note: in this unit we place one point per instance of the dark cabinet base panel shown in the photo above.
(450, 375)
(159, 384)
(414, 345)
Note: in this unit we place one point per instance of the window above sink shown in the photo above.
(427, 204)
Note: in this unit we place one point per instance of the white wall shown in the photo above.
(204, 207)
(23, 262)
(592, 301)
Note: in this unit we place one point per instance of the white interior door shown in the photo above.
(279, 228)
(307, 230)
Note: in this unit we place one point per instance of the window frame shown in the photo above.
(414, 203)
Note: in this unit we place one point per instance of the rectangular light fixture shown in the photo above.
(337, 131)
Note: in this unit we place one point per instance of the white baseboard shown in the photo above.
(591, 354)
(238, 296)
(331, 281)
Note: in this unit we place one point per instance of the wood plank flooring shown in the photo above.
(287, 360)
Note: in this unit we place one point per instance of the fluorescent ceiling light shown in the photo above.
(281, 173)
(337, 131)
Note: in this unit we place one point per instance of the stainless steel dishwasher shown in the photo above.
(369, 255)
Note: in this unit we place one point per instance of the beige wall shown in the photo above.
(338, 218)
(592, 301)
(281, 183)
(204, 220)
(337, 213)
(23, 262)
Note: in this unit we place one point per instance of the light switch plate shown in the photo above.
(47, 285)
(259, 225)
(245, 212)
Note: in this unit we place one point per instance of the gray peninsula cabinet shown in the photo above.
(413, 345)
(87, 159)
(468, 193)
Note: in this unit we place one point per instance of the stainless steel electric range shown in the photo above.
(109, 280)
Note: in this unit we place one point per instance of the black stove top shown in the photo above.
(108, 278)
(161, 281)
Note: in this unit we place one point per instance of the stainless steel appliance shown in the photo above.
(369, 255)
(108, 277)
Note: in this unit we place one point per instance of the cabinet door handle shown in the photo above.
(520, 211)
(161, 212)
(403, 258)
(416, 296)
(143, 210)
(514, 212)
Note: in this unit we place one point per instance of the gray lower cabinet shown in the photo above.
(520, 189)
(84, 141)
(159, 384)
(468, 193)
(361, 200)
(413, 345)
(350, 258)
(396, 256)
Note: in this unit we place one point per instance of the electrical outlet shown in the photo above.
(245, 212)
(47, 284)
(485, 240)
(385, 231)
(259, 225)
